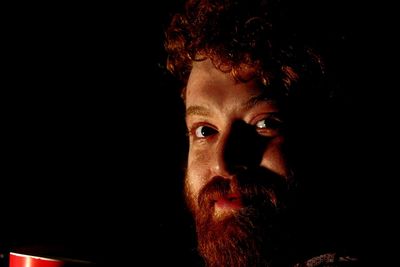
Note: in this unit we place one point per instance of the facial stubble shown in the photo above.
(250, 236)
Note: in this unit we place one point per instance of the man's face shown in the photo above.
(237, 175)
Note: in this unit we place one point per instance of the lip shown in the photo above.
(229, 202)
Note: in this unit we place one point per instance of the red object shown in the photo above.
(23, 260)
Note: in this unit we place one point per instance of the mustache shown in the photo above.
(255, 187)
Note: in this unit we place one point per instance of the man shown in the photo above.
(248, 93)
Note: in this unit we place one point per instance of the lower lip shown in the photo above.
(225, 203)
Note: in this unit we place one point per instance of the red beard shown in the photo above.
(251, 236)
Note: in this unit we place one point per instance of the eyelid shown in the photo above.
(265, 116)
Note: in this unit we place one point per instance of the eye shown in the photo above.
(269, 126)
(268, 123)
(204, 131)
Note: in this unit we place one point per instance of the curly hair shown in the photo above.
(237, 33)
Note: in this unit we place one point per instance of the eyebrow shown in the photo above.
(255, 100)
(252, 102)
(197, 110)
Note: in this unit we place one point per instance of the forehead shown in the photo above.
(205, 80)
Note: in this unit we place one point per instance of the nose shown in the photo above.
(237, 149)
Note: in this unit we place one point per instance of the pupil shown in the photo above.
(205, 131)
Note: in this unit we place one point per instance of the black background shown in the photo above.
(94, 137)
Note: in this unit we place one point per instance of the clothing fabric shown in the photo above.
(329, 260)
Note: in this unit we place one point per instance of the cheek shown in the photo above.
(195, 177)
(196, 174)
(274, 157)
